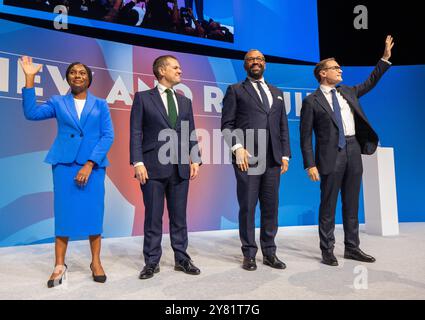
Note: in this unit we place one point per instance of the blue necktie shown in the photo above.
(338, 118)
(263, 95)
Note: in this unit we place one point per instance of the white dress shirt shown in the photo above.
(79, 106)
(163, 95)
(346, 112)
(265, 88)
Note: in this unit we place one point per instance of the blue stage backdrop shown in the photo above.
(395, 108)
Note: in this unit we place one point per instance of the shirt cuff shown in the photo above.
(385, 60)
(236, 147)
(285, 158)
(138, 164)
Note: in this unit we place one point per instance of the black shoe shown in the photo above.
(187, 267)
(274, 262)
(100, 279)
(249, 264)
(59, 279)
(329, 259)
(148, 271)
(359, 255)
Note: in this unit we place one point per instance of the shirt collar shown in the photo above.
(162, 88)
(326, 89)
(254, 80)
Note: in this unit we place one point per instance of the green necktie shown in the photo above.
(172, 110)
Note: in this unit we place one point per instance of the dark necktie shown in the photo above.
(266, 104)
(172, 110)
(338, 118)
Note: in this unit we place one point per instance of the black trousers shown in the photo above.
(346, 177)
(155, 191)
(250, 190)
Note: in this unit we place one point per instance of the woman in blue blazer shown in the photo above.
(78, 159)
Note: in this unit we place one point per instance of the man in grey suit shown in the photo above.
(255, 126)
(342, 134)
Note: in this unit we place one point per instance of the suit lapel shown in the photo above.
(70, 106)
(90, 101)
(275, 94)
(181, 106)
(352, 103)
(320, 97)
(251, 91)
(346, 97)
(156, 98)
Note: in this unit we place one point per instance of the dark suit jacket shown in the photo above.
(148, 117)
(317, 116)
(242, 109)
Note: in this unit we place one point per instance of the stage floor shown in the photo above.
(398, 273)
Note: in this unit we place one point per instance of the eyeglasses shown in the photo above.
(336, 68)
(252, 59)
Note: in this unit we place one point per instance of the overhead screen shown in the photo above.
(272, 26)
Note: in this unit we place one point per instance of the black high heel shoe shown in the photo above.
(60, 278)
(100, 279)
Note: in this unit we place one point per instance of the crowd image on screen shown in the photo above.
(164, 15)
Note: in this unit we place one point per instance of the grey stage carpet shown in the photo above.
(399, 272)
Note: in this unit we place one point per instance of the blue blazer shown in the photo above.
(77, 140)
(148, 117)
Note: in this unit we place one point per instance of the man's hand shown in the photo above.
(242, 156)
(141, 174)
(313, 174)
(83, 174)
(194, 170)
(389, 43)
(284, 166)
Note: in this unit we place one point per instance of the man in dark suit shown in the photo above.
(164, 168)
(255, 126)
(342, 134)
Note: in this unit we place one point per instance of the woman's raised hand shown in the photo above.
(28, 67)
(30, 70)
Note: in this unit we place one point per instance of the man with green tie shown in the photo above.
(155, 112)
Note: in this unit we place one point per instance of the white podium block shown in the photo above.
(379, 193)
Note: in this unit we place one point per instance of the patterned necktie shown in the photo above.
(266, 104)
(338, 118)
(172, 110)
